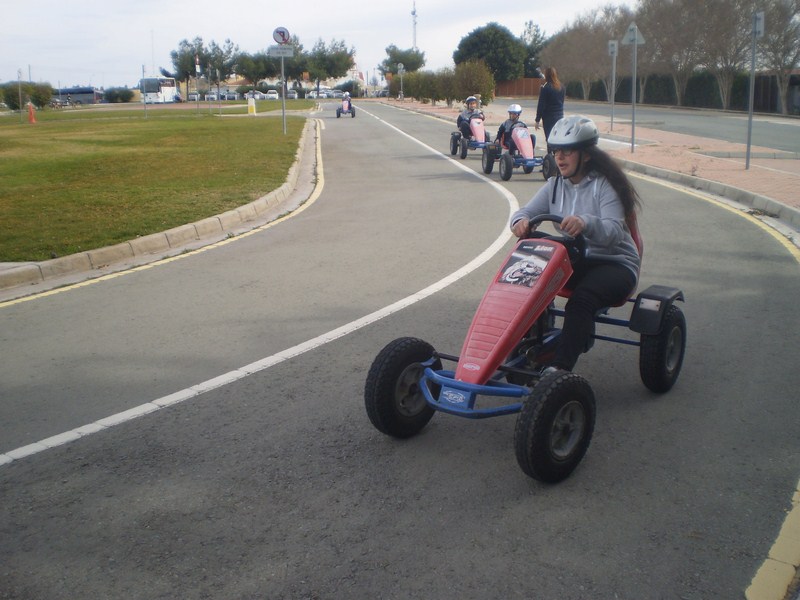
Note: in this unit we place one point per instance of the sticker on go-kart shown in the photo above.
(526, 264)
(453, 397)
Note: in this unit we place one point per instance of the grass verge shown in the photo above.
(83, 179)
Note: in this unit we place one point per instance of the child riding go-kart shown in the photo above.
(514, 147)
(510, 341)
(471, 134)
(518, 357)
(346, 107)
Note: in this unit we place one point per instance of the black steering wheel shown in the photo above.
(576, 246)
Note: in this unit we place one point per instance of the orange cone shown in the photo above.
(31, 116)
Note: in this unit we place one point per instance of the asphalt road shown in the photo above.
(272, 483)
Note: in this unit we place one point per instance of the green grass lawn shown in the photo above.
(82, 179)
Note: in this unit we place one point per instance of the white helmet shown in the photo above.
(575, 131)
(515, 108)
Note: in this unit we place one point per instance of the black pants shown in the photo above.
(595, 285)
(465, 130)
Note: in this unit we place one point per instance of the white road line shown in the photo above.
(294, 351)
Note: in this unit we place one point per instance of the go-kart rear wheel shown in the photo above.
(555, 427)
(352, 112)
(661, 355)
(453, 144)
(338, 113)
(393, 398)
(506, 166)
(549, 166)
(487, 161)
(464, 147)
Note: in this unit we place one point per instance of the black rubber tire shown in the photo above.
(353, 112)
(527, 169)
(487, 161)
(394, 401)
(506, 166)
(464, 147)
(338, 113)
(555, 427)
(661, 355)
(453, 145)
(549, 166)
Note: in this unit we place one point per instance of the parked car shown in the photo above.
(337, 94)
(291, 95)
(211, 96)
(229, 96)
(194, 97)
(272, 95)
(383, 94)
(256, 95)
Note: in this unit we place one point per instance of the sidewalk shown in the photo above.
(768, 189)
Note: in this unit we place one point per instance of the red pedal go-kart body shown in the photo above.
(523, 288)
(477, 140)
(523, 157)
(512, 337)
(346, 108)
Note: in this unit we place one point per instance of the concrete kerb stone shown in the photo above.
(787, 214)
(211, 228)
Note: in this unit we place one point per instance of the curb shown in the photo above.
(167, 243)
(787, 214)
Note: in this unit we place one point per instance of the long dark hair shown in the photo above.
(604, 164)
(551, 76)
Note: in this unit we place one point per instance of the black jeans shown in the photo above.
(595, 285)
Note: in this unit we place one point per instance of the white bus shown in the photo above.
(158, 90)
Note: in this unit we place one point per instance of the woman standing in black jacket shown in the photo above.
(551, 101)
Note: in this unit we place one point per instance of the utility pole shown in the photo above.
(414, 22)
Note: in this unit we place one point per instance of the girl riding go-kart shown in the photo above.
(515, 358)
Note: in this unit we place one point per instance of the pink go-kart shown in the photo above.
(476, 141)
(523, 156)
(511, 341)
(346, 108)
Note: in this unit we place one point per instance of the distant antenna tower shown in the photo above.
(414, 20)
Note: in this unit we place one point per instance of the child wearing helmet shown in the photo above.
(504, 132)
(596, 199)
(463, 119)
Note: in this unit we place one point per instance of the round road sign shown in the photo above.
(281, 35)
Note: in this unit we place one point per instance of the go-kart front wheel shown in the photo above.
(549, 167)
(506, 166)
(661, 355)
(338, 113)
(527, 169)
(453, 145)
(464, 147)
(487, 161)
(555, 427)
(393, 398)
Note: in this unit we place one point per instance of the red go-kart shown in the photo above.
(510, 342)
(523, 156)
(346, 108)
(476, 141)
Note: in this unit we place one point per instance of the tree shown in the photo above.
(255, 67)
(183, 59)
(673, 26)
(473, 78)
(496, 46)
(118, 95)
(725, 41)
(221, 60)
(534, 42)
(412, 60)
(327, 61)
(780, 46)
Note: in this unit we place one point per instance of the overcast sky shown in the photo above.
(106, 43)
